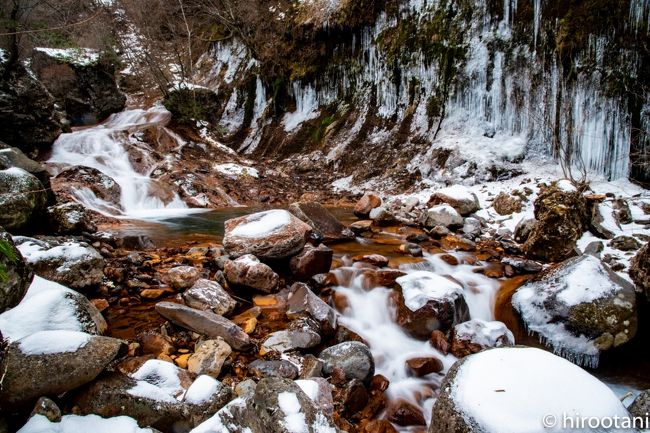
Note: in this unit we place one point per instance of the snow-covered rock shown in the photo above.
(248, 271)
(579, 308)
(22, 199)
(459, 197)
(270, 235)
(476, 335)
(51, 306)
(443, 215)
(209, 295)
(235, 171)
(68, 262)
(87, 423)
(70, 219)
(353, 357)
(515, 390)
(429, 302)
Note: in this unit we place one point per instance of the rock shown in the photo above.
(86, 90)
(322, 221)
(50, 306)
(625, 243)
(205, 323)
(579, 308)
(156, 344)
(70, 219)
(506, 204)
(561, 217)
(385, 277)
(291, 339)
(14, 157)
(270, 235)
(439, 342)
(640, 407)
(53, 362)
(23, 200)
(209, 295)
(472, 228)
(523, 266)
(70, 263)
(640, 270)
(600, 223)
(47, 408)
(101, 185)
(319, 390)
(363, 226)
(443, 215)
(281, 368)
(208, 357)
(205, 397)
(382, 216)
(182, 277)
(476, 335)
(429, 302)
(354, 397)
(373, 259)
(404, 413)
(422, 366)
(249, 272)
(170, 379)
(594, 248)
(622, 212)
(353, 357)
(15, 275)
(70, 423)
(379, 426)
(367, 203)
(459, 197)
(303, 302)
(523, 229)
(311, 261)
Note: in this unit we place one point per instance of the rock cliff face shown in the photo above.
(439, 87)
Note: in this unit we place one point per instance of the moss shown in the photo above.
(6, 251)
(319, 132)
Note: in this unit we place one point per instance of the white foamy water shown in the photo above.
(371, 314)
(105, 147)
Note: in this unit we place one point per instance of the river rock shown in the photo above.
(14, 157)
(209, 295)
(472, 228)
(424, 365)
(531, 383)
(403, 413)
(507, 204)
(640, 270)
(51, 306)
(459, 197)
(23, 200)
(429, 302)
(70, 219)
(205, 323)
(71, 263)
(182, 277)
(476, 335)
(52, 362)
(249, 272)
(367, 203)
(579, 308)
(442, 215)
(353, 357)
(382, 216)
(205, 397)
(561, 215)
(275, 368)
(311, 261)
(625, 243)
(322, 221)
(270, 235)
(208, 357)
(304, 302)
(17, 275)
(79, 178)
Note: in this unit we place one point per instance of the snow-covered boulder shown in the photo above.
(79, 423)
(248, 271)
(22, 199)
(476, 335)
(353, 357)
(270, 235)
(205, 397)
(459, 197)
(579, 308)
(427, 302)
(52, 362)
(72, 263)
(640, 270)
(51, 306)
(69, 219)
(17, 275)
(519, 389)
(442, 215)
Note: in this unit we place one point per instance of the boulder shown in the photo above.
(640, 270)
(404, 413)
(561, 215)
(275, 368)
(182, 277)
(70, 263)
(580, 308)
(322, 221)
(23, 200)
(205, 397)
(457, 196)
(424, 365)
(601, 223)
(248, 271)
(625, 243)
(51, 306)
(382, 216)
(507, 204)
(352, 357)
(303, 302)
(70, 219)
(301, 334)
(311, 261)
(534, 385)
(205, 323)
(472, 228)
(15, 274)
(78, 178)
(270, 235)
(209, 295)
(523, 229)
(75, 423)
(14, 157)
(476, 335)
(367, 203)
(53, 362)
(208, 357)
(427, 302)
(442, 215)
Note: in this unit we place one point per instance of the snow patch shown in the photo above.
(420, 287)
(50, 342)
(262, 224)
(235, 170)
(202, 389)
(86, 423)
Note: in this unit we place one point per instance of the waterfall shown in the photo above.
(106, 147)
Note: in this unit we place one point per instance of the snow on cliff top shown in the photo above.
(75, 56)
